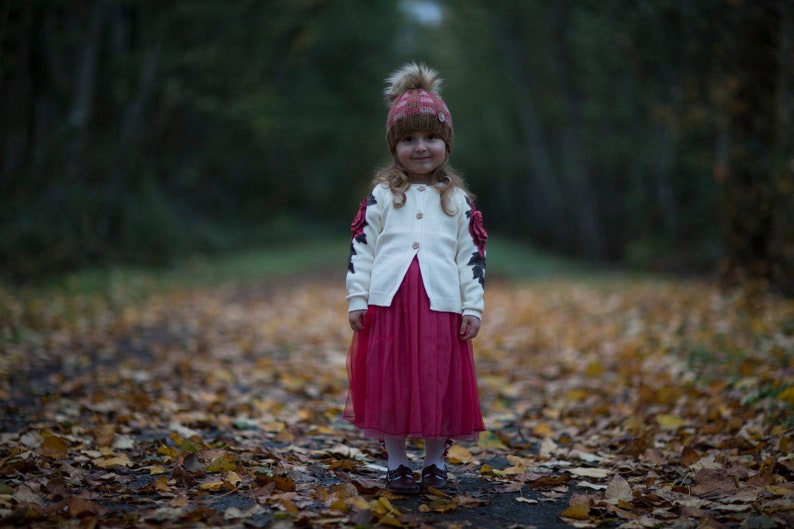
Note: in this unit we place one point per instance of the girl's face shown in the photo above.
(421, 153)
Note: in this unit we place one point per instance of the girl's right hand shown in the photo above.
(356, 319)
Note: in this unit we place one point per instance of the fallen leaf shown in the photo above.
(618, 490)
(522, 499)
(459, 455)
(117, 461)
(25, 494)
(222, 463)
(787, 396)
(53, 447)
(781, 490)
(579, 511)
(589, 472)
(669, 422)
(80, 506)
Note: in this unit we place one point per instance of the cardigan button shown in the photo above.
(422, 188)
(419, 215)
(415, 246)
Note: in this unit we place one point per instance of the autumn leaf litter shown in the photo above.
(621, 402)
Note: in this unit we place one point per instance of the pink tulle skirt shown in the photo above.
(410, 374)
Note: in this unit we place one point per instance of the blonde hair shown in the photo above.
(444, 179)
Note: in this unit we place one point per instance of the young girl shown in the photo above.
(415, 290)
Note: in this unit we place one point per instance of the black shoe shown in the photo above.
(401, 481)
(435, 477)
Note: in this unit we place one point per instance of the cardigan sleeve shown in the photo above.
(365, 229)
(470, 258)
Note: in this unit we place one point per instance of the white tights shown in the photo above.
(397, 454)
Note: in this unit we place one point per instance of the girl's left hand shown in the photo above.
(469, 327)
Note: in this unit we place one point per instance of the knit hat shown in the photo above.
(412, 95)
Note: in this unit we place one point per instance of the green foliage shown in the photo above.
(147, 131)
(142, 132)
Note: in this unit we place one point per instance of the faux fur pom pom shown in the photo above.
(411, 76)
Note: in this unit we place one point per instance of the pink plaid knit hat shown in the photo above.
(412, 95)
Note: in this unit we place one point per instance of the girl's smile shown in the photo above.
(421, 153)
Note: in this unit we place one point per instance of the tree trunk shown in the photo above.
(545, 198)
(749, 202)
(665, 153)
(582, 200)
(782, 273)
(82, 103)
(16, 91)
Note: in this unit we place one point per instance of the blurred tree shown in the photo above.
(756, 168)
(141, 130)
(603, 118)
(652, 133)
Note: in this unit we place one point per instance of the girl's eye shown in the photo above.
(431, 137)
(407, 139)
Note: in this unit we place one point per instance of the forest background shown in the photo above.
(653, 134)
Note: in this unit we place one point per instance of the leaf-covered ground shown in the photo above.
(616, 402)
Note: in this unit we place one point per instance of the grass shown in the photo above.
(199, 271)
(516, 260)
(507, 259)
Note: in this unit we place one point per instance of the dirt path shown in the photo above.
(614, 404)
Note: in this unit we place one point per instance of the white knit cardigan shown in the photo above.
(452, 266)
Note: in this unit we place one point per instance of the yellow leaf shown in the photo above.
(168, 451)
(322, 430)
(488, 469)
(594, 370)
(358, 502)
(669, 422)
(787, 396)
(515, 470)
(339, 505)
(118, 461)
(390, 521)
(489, 440)
(233, 479)
(438, 493)
(161, 484)
(578, 394)
(223, 463)
(519, 461)
(214, 485)
(580, 511)
(459, 455)
(387, 507)
(274, 426)
(542, 430)
(781, 490)
(444, 506)
(184, 444)
(157, 469)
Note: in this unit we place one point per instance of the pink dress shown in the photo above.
(410, 374)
